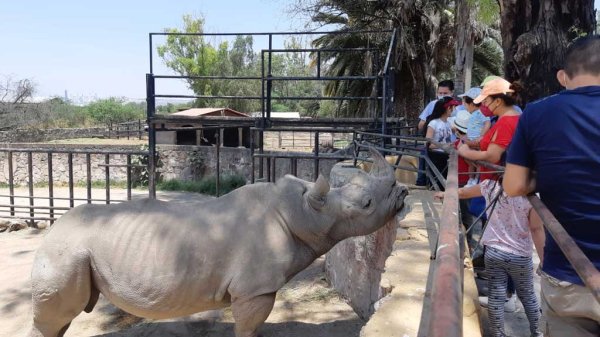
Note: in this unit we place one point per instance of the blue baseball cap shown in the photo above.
(471, 93)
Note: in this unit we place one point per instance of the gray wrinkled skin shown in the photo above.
(160, 260)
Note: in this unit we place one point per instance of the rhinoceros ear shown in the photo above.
(380, 168)
(317, 194)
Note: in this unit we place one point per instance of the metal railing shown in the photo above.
(379, 77)
(582, 265)
(32, 210)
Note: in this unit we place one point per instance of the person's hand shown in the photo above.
(463, 148)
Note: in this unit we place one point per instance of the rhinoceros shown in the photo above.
(160, 260)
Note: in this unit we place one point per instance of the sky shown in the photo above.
(99, 49)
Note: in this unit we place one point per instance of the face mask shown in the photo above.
(442, 96)
(485, 110)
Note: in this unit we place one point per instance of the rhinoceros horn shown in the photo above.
(380, 169)
(318, 192)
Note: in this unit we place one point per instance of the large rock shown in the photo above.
(354, 266)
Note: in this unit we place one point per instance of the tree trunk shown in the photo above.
(535, 34)
(415, 78)
(463, 65)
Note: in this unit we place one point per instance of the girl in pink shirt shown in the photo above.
(512, 230)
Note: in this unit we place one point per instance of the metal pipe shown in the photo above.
(50, 185)
(446, 315)
(582, 265)
(150, 111)
(335, 32)
(11, 181)
(30, 184)
(107, 177)
(218, 149)
(88, 177)
(71, 192)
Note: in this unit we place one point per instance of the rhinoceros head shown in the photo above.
(361, 206)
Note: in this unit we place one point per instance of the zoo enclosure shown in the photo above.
(381, 76)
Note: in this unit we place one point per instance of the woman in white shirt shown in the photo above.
(438, 128)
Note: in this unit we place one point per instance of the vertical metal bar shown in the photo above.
(150, 49)
(30, 184)
(252, 165)
(295, 167)
(127, 131)
(107, 177)
(128, 176)
(319, 63)
(261, 143)
(268, 168)
(274, 169)
(447, 314)
(71, 192)
(88, 180)
(269, 80)
(355, 143)
(316, 155)
(218, 180)
(139, 129)
(383, 110)
(50, 188)
(11, 183)
(150, 110)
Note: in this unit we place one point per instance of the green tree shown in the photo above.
(192, 55)
(114, 110)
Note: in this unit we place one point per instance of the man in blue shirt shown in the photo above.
(558, 137)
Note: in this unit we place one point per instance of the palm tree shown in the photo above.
(423, 48)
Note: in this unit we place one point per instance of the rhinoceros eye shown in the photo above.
(368, 204)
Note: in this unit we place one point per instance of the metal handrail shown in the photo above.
(582, 265)
(447, 292)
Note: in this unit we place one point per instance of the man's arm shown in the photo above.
(536, 226)
(518, 180)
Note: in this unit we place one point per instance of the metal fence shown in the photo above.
(29, 188)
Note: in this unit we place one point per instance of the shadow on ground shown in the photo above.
(214, 329)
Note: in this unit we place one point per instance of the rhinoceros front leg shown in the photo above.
(250, 314)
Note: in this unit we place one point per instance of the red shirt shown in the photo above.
(463, 167)
(504, 130)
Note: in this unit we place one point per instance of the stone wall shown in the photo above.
(179, 162)
(34, 136)
(354, 266)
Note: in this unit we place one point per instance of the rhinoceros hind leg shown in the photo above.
(250, 314)
(61, 289)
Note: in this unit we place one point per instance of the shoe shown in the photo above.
(510, 305)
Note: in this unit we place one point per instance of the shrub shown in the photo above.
(207, 185)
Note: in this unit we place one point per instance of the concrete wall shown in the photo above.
(354, 266)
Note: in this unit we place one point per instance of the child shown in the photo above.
(477, 126)
(513, 228)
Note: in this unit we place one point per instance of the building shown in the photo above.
(176, 132)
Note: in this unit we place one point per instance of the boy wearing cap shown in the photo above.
(478, 124)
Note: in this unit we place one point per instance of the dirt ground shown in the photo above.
(306, 306)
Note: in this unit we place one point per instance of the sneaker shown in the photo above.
(510, 305)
